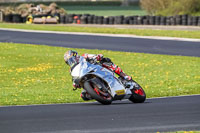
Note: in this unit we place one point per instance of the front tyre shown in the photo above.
(96, 93)
(138, 94)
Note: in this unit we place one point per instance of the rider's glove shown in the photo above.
(99, 57)
(105, 60)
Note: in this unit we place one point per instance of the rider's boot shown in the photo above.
(127, 80)
(125, 76)
(85, 96)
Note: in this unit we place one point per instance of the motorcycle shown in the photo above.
(102, 84)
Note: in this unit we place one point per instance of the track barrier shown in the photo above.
(185, 20)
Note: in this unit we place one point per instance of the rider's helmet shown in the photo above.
(71, 58)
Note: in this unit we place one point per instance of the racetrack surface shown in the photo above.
(162, 114)
(129, 44)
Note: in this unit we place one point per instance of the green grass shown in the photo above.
(140, 32)
(105, 10)
(183, 132)
(33, 74)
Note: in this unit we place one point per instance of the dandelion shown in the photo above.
(146, 86)
(158, 63)
(150, 73)
(167, 73)
(15, 100)
(38, 68)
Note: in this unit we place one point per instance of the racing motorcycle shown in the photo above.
(102, 84)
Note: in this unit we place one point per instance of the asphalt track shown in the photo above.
(162, 114)
(129, 44)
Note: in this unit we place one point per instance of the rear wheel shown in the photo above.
(101, 96)
(138, 94)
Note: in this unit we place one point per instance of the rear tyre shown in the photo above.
(96, 95)
(138, 94)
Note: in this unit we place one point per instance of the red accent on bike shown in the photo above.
(96, 91)
(139, 91)
(85, 56)
(118, 70)
(102, 95)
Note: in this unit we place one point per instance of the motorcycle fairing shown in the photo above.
(84, 68)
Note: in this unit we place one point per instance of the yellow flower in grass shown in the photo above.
(197, 77)
(20, 69)
(146, 86)
(158, 63)
(38, 68)
(167, 73)
(15, 100)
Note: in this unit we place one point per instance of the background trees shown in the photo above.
(171, 7)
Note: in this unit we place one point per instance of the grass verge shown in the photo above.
(183, 132)
(140, 32)
(34, 74)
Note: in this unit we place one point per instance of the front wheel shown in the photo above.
(97, 94)
(138, 94)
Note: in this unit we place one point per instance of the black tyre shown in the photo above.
(145, 22)
(162, 20)
(105, 21)
(194, 20)
(83, 19)
(151, 20)
(8, 18)
(90, 19)
(131, 22)
(198, 21)
(157, 20)
(126, 20)
(111, 20)
(139, 20)
(62, 19)
(138, 94)
(100, 20)
(189, 20)
(178, 19)
(94, 92)
(16, 18)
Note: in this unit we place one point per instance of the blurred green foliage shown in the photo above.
(171, 7)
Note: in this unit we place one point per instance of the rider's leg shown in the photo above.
(117, 70)
(85, 96)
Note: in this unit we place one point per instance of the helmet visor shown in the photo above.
(71, 61)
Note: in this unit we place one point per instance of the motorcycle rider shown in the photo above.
(72, 59)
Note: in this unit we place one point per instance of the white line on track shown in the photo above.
(107, 35)
(90, 102)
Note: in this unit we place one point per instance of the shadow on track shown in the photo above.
(126, 102)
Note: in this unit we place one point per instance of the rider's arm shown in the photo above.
(93, 57)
